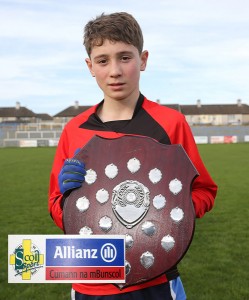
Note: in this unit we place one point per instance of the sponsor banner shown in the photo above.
(66, 259)
(42, 143)
(201, 139)
(227, 139)
(53, 143)
(217, 139)
(28, 143)
(230, 139)
(246, 138)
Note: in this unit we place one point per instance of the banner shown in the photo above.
(66, 259)
(230, 139)
(28, 143)
(217, 139)
(201, 139)
(227, 139)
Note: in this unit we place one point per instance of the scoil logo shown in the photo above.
(26, 260)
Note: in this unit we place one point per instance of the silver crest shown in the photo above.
(177, 214)
(159, 201)
(133, 165)
(82, 204)
(148, 228)
(130, 202)
(128, 241)
(111, 171)
(147, 259)
(155, 175)
(175, 186)
(168, 242)
(105, 223)
(91, 176)
(85, 231)
(102, 196)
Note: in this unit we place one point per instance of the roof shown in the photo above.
(196, 109)
(173, 106)
(44, 117)
(215, 109)
(21, 112)
(72, 111)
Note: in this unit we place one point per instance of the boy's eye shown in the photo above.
(125, 58)
(102, 61)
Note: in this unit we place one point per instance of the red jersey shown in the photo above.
(150, 119)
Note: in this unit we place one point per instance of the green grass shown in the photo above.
(217, 263)
(24, 188)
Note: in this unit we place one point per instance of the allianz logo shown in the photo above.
(108, 252)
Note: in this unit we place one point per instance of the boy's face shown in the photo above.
(117, 66)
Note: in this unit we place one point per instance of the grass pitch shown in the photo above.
(217, 263)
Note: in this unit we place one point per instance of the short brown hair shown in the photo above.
(116, 27)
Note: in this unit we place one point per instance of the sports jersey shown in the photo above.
(150, 119)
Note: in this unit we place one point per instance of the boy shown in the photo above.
(114, 44)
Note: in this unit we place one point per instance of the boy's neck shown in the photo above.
(117, 110)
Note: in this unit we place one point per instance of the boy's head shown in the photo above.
(116, 27)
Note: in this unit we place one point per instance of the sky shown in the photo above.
(198, 49)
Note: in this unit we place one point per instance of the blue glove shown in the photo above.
(72, 175)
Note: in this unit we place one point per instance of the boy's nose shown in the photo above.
(115, 70)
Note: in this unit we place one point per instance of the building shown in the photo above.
(67, 114)
(43, 118)
(17, 114)
(216, 114)
(198, 114)
(20, 127)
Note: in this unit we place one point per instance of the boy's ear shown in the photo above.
(144, 58)
(90, 66)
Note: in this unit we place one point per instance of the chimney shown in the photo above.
(76, 104)
(158, 101)
(198, 103)
(239, 102)
(18, 105)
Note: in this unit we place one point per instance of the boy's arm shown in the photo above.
(204, 189)
(55, 196)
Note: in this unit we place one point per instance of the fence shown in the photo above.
(48, 134)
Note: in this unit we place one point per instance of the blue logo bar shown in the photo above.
(85, 252)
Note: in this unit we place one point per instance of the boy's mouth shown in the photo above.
(116, 84)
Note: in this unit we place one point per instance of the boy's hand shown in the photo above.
(72, 175)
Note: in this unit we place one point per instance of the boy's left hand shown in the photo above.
(72, 175)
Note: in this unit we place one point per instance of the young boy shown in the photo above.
(114, 44)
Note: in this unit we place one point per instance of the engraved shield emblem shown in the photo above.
(139, 188)
(130, 202)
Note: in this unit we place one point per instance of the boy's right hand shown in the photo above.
(72, 175)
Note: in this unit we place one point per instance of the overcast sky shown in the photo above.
(199, 49)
